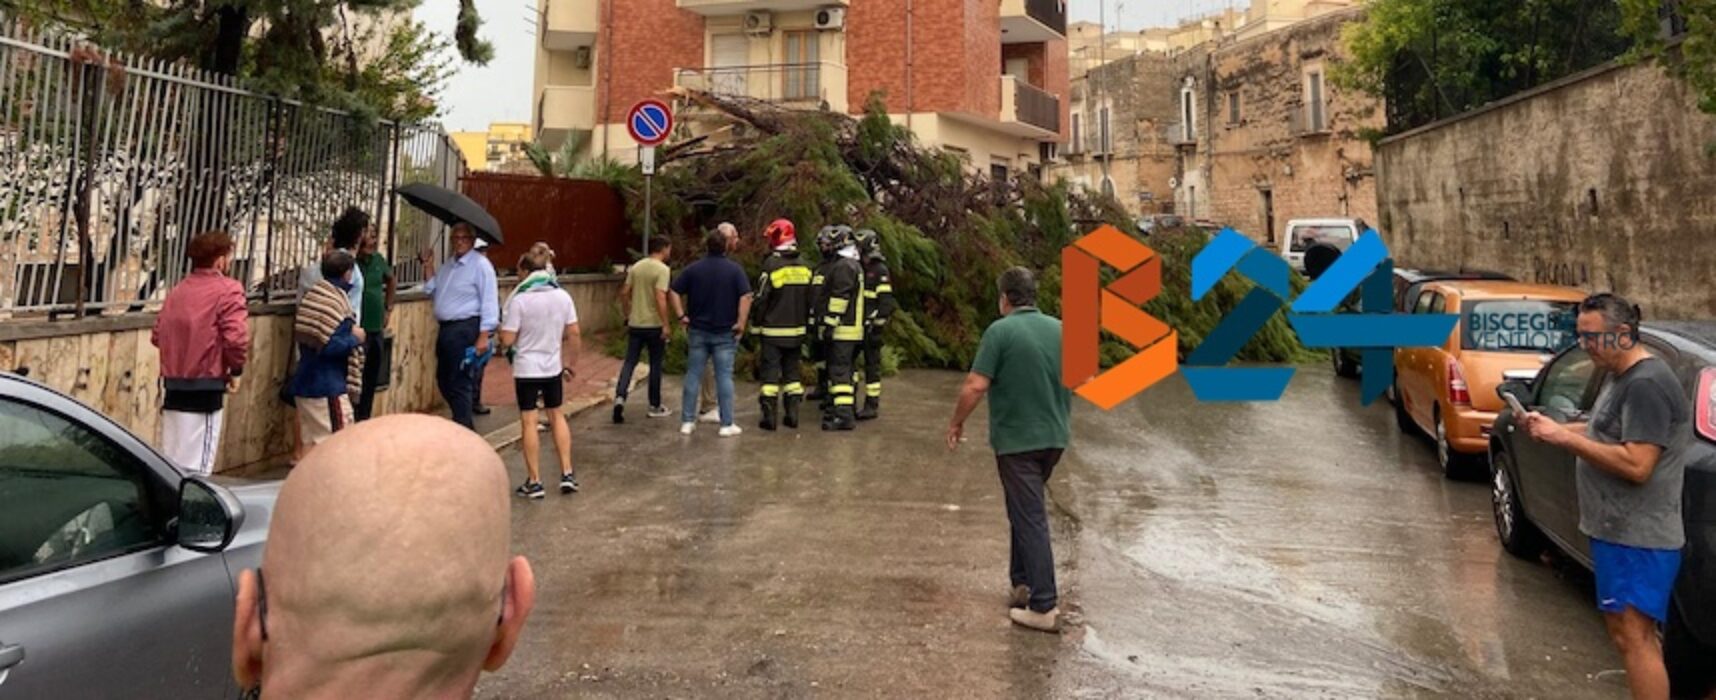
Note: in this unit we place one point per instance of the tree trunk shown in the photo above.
(228, 51)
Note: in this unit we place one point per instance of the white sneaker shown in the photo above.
(729, 431)
(686, 428)
(659, 412)
(713, 416)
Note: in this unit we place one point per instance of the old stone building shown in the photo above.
(1244, 131)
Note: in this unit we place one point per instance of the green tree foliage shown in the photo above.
(947, 233)
(1694, 24)
(1430, 59)
(366, 56)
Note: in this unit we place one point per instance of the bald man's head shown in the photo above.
(388, 549)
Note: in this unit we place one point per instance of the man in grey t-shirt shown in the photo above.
(1631, 464)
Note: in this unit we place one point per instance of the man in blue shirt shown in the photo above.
(719, 303)
(467, 305)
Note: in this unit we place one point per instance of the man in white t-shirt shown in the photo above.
(539, 317)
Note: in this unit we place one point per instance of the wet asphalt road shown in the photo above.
(1297, 549)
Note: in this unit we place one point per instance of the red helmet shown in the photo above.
(780, 233)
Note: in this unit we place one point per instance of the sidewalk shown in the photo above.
(592, 386)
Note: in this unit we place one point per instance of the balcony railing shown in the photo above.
(1025, 103)
(820, 85)
(562, 109)
(716, 8)
(1302, 122)
(1176, 134)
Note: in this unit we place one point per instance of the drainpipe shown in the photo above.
(607, 59)
(911, 104)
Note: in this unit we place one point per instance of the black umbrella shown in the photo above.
(451, 207)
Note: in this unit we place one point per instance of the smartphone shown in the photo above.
(1513, 403)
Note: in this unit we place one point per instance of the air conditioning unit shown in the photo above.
(581, 57)
(831, 18)
(759, 22)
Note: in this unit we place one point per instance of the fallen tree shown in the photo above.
(947, 232)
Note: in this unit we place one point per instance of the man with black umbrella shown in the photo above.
(467, 305)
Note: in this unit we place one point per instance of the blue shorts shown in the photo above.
(1634, 577)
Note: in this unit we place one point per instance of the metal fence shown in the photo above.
(110, 163)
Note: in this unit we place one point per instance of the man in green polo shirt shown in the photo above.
(1018, 366)
(377, 308)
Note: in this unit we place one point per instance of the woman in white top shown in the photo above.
(537, 319)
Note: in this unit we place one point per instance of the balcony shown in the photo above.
(564, 109)
(568, 25)
(1178, 136)
(810, 85)
(1034, 112)
(1303, 121)
(1029, 21)
(717, 8)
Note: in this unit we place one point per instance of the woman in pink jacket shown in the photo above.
(204, 336)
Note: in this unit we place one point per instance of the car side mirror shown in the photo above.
(209, 516)
(1517, 388)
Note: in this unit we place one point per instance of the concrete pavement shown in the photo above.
(1263, 550)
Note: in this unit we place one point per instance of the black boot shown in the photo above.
(843, 419)
(828, 422)
(871, 404)
(770, 404)
(789, 417)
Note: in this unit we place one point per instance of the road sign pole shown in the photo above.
(649, 213)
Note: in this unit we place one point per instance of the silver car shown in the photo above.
(117, 572)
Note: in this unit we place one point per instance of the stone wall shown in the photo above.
(1307, 175)
(1600, 181)
(110, 364)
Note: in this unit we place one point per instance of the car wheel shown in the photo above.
(1518, 535)
(1690, 675)
(1401, 418)
(1454, 465)
(1343, 368)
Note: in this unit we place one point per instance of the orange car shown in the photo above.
(1507, 330)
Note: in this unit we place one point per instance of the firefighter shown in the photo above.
(840, 324)
(879, 306)
(783, 304)
(817, 346)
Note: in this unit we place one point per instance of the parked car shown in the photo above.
(1349, 362)
(1156, 223)
(117, 572)
(1536, 502)
(1448, 391)
(1301, 234)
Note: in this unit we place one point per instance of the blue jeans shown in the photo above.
(703, 345)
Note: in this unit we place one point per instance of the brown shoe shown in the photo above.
(1040, 621)
(1021, 597)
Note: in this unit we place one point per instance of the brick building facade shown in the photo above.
(984, 78)
(1248, 132)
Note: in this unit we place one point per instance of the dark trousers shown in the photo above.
(1023, 475)
(637, 340)
(842, 356)
(454, 381)
(778, 367)
(372, 363)
(873, 363)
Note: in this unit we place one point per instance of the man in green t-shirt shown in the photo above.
(377, 309)
(1018, 366)
(644, 300)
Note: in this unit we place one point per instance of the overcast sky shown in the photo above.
(500, 91)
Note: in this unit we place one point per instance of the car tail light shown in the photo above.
(1704, 404)
(1458, 392)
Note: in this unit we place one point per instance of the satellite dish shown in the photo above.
(1318, 259)
(1173, 183)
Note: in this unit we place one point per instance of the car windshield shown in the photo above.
(1337, 235)
(1519, 325)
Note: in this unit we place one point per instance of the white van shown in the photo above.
(1301, 234)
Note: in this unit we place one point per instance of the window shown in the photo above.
(1339, 236)
(1233, 107)
(1438, 304)
(1106, 144)
(1077, 143)
(1314, 117)
(802, 74)
(1424, 301)
(1519, 325)
(1566, 383)
(1188, 116)
(69, 495)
